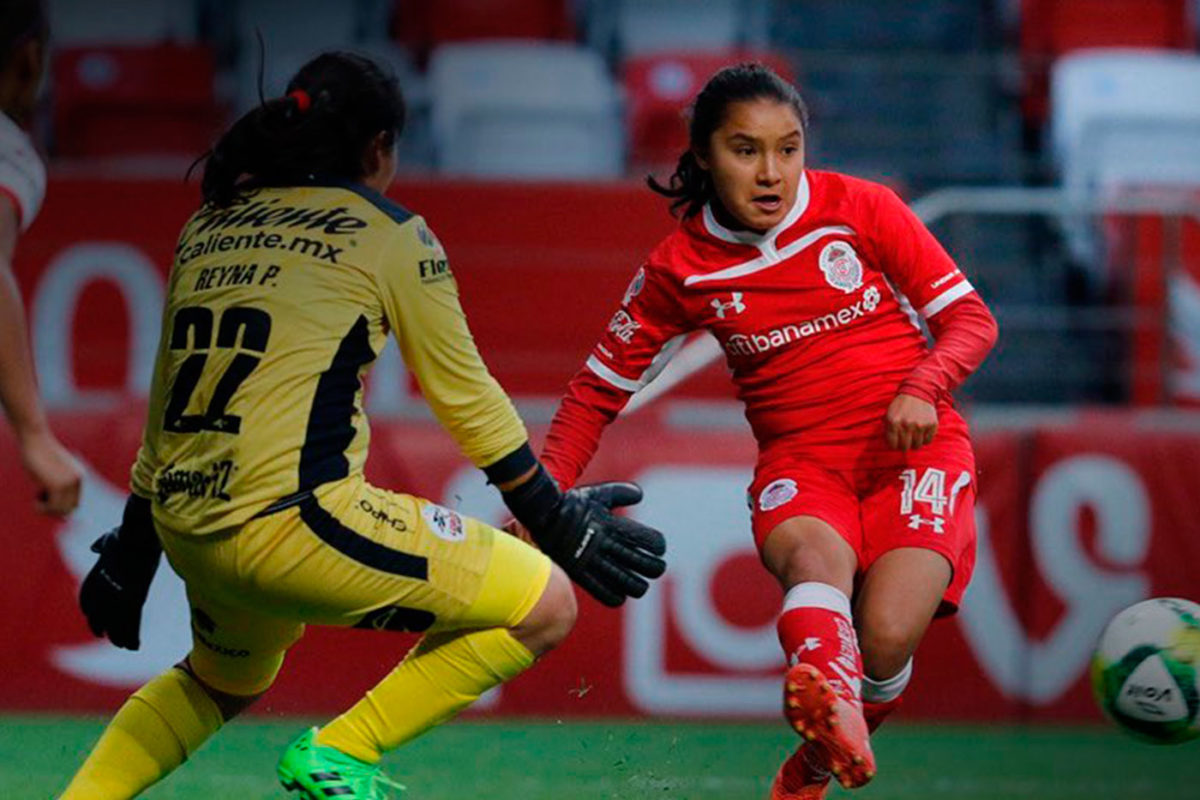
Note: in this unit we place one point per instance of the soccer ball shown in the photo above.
(1146, 670)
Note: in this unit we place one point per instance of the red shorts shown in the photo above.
(929, 503)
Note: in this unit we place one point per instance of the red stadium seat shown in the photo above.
(422, 25)
(1156, 259)
(1052, 28)
(134, 100)
(660, 86)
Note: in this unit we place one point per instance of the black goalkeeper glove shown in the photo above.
(609, 556)
(114, 591)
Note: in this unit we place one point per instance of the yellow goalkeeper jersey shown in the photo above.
(276, 307)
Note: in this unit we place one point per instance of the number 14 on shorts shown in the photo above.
(928, 489)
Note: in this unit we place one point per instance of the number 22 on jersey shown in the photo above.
(192, 329)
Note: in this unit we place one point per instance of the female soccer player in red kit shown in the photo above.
(862, 499)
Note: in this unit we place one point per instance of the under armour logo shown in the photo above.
(737, 305)
(915, 521)
(810, 643)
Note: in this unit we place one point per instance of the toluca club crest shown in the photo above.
(841, 266)
(777, 493)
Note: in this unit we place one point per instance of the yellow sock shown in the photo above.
(152, 734)
(440, 677)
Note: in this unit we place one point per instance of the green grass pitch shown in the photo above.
(546, 760)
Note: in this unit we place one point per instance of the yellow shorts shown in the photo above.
(350, 555)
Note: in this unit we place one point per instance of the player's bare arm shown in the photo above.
(48, 463)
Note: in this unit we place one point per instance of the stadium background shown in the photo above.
(1065, 180)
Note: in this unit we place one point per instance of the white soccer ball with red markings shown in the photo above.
(1146, 670)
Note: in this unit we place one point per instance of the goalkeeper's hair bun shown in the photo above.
(690, 186)
(331, 111)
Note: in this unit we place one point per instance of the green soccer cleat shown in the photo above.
(318, 772)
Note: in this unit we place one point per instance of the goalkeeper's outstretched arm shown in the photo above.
(611, 557)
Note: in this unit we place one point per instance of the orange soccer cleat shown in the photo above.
(802, 777)
(833, 723)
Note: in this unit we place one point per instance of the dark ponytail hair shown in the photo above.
(21, 21)
(690, 186)
(332, 109)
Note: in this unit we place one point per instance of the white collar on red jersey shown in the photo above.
(759, 239)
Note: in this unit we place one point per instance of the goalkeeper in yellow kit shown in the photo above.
(285, 284)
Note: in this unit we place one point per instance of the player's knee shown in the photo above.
(813, 559)
(561, 609)
(552, 618)
(802, 565)
(229, 703)
(886, 646)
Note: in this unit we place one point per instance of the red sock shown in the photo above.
(882, 697)
(876, 713)
(816, 628)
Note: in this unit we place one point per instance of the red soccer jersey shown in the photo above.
(815, 318)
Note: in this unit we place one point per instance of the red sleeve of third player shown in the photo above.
(915, 262)
(626, 358)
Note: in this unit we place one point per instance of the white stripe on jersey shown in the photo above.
(905, 305)
(946, 298)
(660, 361)
(766, 260)
(622, 383)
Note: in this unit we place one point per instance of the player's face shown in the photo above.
(756, 158)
